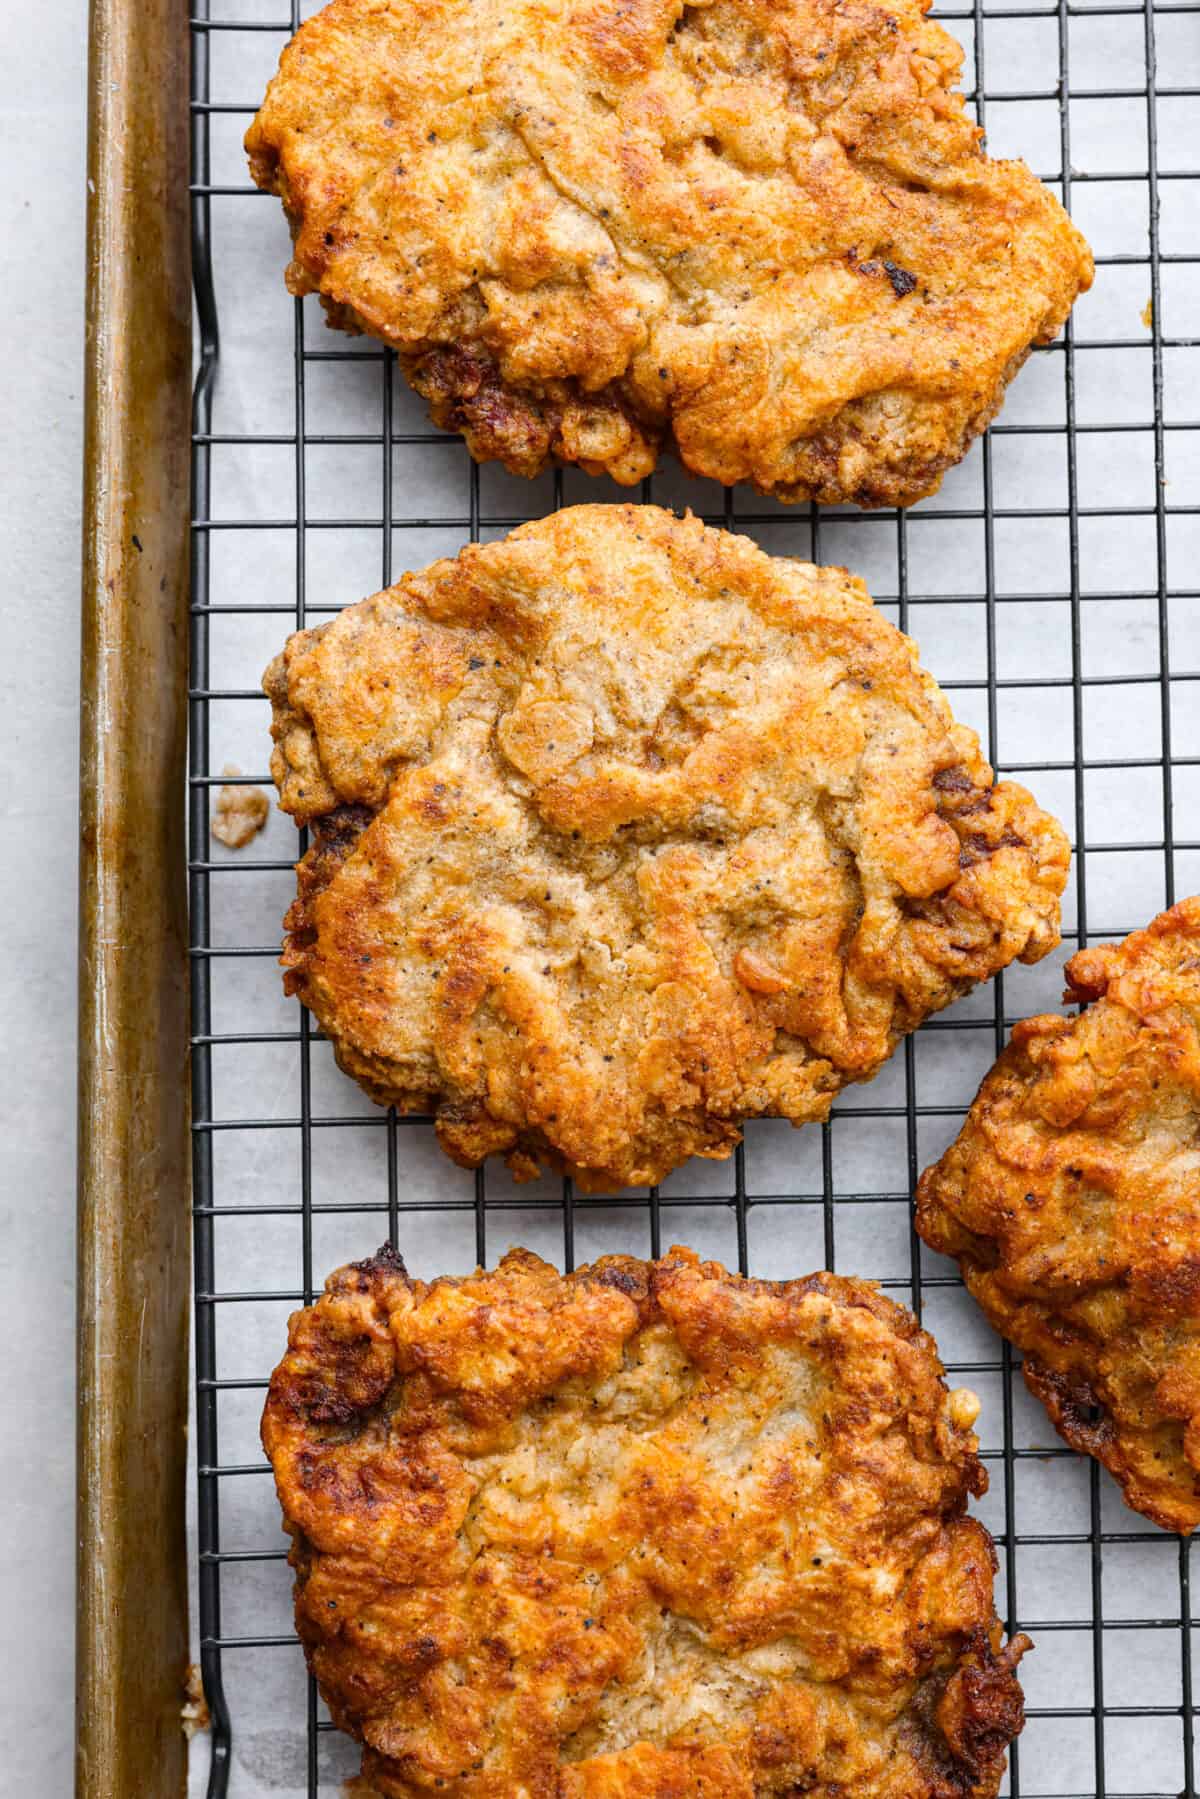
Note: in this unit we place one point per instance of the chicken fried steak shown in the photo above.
(648, 1531)
(1072, 1201)
(762, 233)
(625, 832)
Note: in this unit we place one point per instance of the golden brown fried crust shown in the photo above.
(1072, 1201)
(760, 232)
(648, 1530)
(625, 832)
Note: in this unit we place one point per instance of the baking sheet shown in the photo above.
(1031, 654)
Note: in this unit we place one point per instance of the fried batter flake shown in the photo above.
(648, 1531)
(240, 812)
(625, 832)
(759, 232)
(1072, 1201)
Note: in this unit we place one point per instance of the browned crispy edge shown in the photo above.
(960, 802)
(503, 422)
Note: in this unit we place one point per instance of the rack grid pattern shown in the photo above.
(1046, 620)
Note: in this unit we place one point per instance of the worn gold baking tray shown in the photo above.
(1052, 584)
(133, 1109)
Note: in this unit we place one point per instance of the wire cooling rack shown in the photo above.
(1051, 586)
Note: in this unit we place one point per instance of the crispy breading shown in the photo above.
(1072, 1201)
(759, 232)
(625, 832)
(648, 1531)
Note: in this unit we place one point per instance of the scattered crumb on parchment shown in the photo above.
(195, 1713)
(1148, 315)
(241, 812)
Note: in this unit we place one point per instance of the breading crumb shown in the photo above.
(195, 1713)
(240, 812)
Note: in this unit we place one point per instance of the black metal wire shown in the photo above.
(821, 1196)
(205, 1323)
